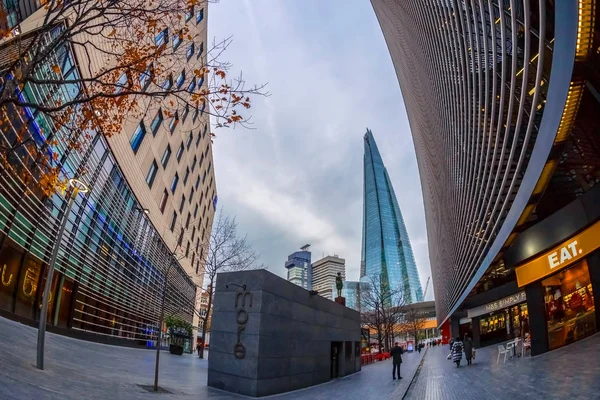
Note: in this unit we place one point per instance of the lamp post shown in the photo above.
(76, 187)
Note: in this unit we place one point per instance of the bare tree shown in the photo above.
(82, 66)
(226, 251)
(381, 309)
(412, 321)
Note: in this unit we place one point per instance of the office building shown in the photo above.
(503, 99)
(138, 220)
(387, 255)
(299, 270)
(324, 272)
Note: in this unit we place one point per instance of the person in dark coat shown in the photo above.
(457, 350)
(468, 348)
(396, 354)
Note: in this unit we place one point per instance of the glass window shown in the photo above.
(168, 83)
(163, 201)
(196, 210)
(137, 137)
(162, 38)
(191, 194)
(182, 203)
(200, 83)
(187, 220)
(190, 51)
(180, 79)
(196, 112)
(186, 111)
(174, 122)
(189, 140)
(173, 221)
(189, 13)
(146, 77)
(200, 15)
(29, 281)
(151, 173)
(205, 130)
(177, 39)
(202, 108)
(180, 152)
(11, 266)
(192, 85)
(186, 175)
(200, 49)
(197, 182)
(194, 163)
(174, 182)
(166, 156)
(158, 119)
(570, 310)
(121, 83)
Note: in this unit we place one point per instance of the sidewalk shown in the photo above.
(571, 372)
(76, 369)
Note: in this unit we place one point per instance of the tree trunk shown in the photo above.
(204, 325)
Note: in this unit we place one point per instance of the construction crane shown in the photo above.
(426, 287)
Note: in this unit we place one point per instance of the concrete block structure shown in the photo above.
(271, 336)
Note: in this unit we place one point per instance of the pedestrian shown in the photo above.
(198, 347)
(419, 348)
(468, 347)
(457, 350)
(396, 354)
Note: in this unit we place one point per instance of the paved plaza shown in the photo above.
(77, 369)
(571, 372)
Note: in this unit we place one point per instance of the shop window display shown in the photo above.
(27, 288)
(570, 310)
(10, 266)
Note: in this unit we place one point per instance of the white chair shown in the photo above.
(501, 350)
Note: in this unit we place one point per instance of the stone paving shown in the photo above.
(76, 369)
(571, 372)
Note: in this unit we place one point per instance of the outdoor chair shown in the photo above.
(501, 350)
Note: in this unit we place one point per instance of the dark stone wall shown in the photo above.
(287, 337)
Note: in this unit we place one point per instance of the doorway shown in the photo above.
(336, 351)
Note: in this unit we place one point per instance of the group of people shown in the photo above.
(457, 347)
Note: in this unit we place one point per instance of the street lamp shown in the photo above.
(76, 187)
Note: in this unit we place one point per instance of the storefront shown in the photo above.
(562, 286)
(500, 320)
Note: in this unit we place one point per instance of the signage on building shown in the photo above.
(497, 305)
(564, 254)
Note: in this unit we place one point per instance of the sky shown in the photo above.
(296, 177)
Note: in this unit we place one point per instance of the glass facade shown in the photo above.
(387, 255)
(111, 262)
(299, 269)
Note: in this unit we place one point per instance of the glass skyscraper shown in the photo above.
(387, 256)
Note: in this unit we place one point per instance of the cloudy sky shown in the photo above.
(296, 178)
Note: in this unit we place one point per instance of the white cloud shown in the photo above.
(297, 177)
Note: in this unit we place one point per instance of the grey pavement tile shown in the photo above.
(76, 369)
(571, 372)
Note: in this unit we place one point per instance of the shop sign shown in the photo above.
(560, 256)
(497, 305)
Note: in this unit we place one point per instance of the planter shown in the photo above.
(176, 349)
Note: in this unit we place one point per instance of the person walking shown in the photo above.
(468, 348)
(457, 350)
(396, 354)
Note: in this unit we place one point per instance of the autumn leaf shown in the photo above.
(56, 68)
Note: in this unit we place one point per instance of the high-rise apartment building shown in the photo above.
(503, 99)
(148, 212)
(324, 272)
(387, 256)
(299, 269)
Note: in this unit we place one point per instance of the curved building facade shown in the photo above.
(387, 255)
(138, 234)
(497, 94)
